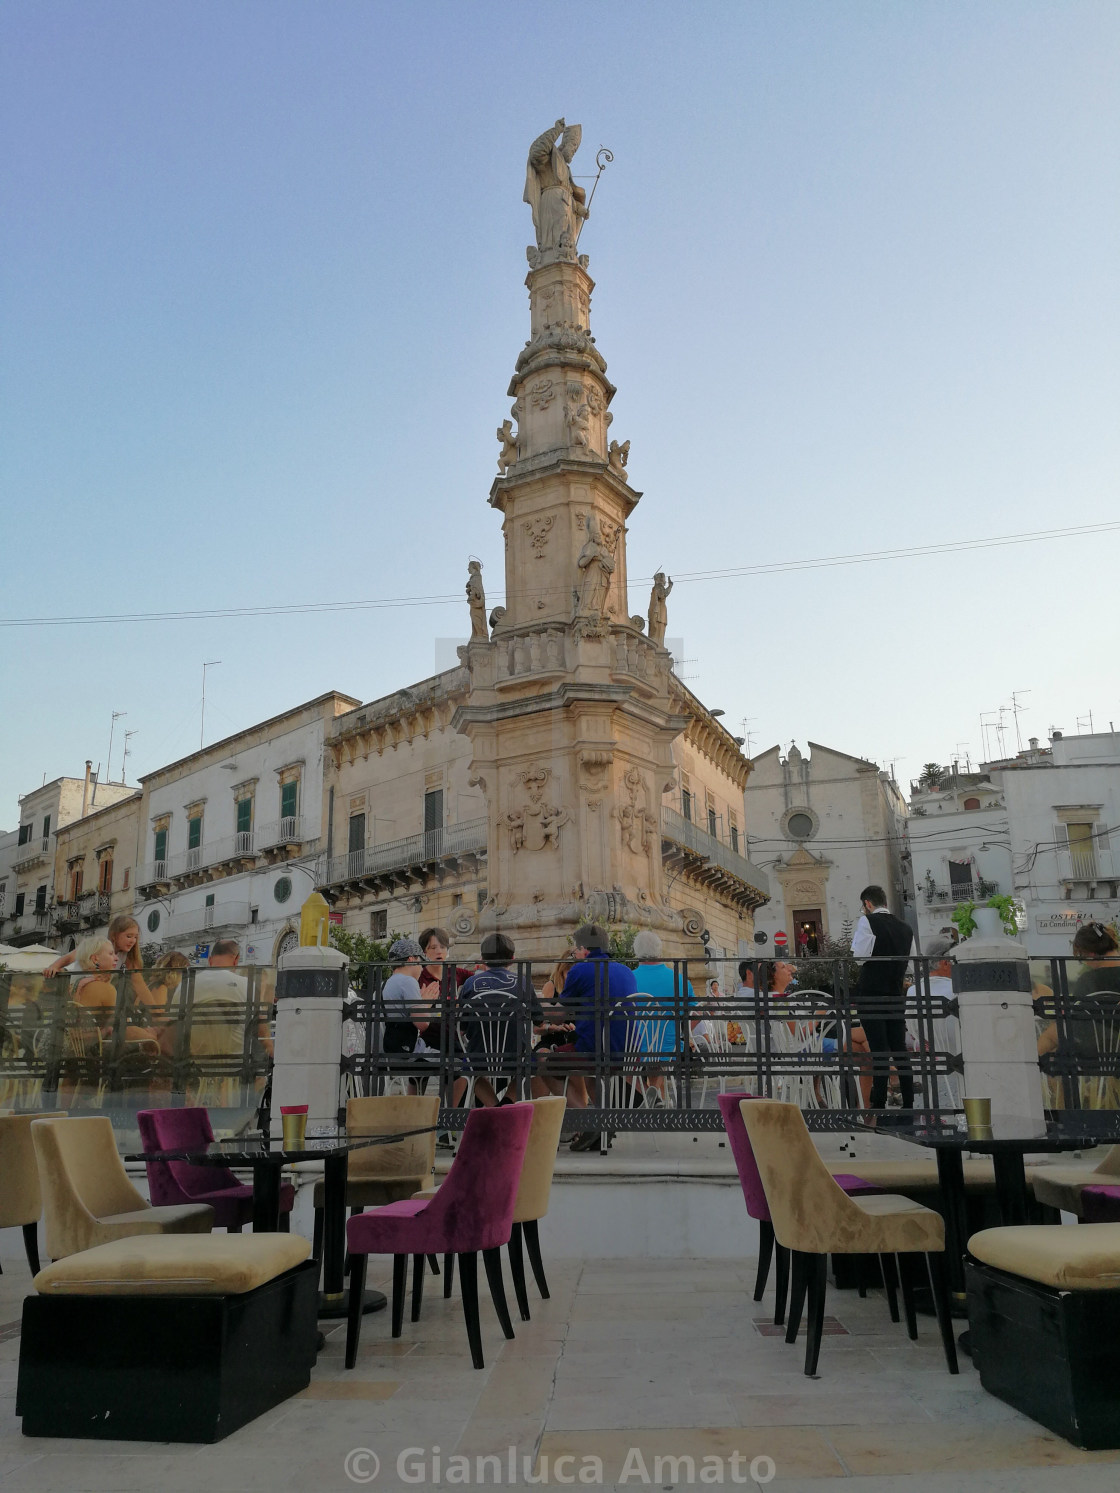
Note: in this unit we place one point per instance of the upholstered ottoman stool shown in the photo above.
(1044, 1314)
(167, 1337)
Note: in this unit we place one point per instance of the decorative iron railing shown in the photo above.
(651, 1061)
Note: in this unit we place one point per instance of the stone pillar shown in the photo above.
(311, 987)
(992, 982)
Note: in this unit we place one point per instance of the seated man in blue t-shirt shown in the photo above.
(594, 980)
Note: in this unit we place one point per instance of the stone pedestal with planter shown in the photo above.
(992, 982)
(311, 987)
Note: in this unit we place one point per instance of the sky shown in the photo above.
(857, 285)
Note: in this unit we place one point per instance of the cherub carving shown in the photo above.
(618, 456)
(508, 454)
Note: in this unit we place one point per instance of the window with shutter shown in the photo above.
(289, 799)
(244, 815)
(105, 875)
(433, 822)
(194, 832)
(160, 851)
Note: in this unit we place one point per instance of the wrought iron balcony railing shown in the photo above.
(294, 829)
(410, 854)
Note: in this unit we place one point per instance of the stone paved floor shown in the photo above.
(660, 1356)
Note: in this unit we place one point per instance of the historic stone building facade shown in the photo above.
(825, 826)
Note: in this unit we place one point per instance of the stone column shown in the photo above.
(992, 982)
(311, 987)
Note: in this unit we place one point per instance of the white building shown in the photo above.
(1042, 826)
(823, 826)
(9, 843)
(229, 837)
(960, 847)
(1063, 813)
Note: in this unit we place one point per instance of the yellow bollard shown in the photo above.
(314, 921)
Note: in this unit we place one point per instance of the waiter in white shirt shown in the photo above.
(879, 996)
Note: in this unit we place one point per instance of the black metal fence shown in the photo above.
(650, 1061)
(1078, 1017)
(115, 1043)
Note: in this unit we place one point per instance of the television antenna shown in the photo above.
(128, 735)
(211, 664)
(1017, 710)
(117, 714)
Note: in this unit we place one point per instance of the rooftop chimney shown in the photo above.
(1032, 742)
(85, 788)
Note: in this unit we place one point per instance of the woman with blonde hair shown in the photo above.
(124, 935)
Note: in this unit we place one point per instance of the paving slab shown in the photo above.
(656, 1369)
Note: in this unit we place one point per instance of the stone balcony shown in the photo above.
(708, 861)
(408, 861)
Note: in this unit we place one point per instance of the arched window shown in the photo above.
(972, 803)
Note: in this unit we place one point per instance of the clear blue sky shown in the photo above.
(857, 272)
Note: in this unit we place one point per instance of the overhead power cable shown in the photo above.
(772, 567)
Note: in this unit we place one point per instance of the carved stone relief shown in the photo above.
(538, 531)
(594, 775)
(537, 825)
(542, 393)
(635, 820)
(577, 414)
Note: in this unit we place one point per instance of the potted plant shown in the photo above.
(964, 915)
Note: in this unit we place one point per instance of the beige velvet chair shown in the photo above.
(387, 1173)
(531, 1206)
(21, 1202)
(533, 1196)
(87, 1197)
(1060, 1186)
(813, 1217)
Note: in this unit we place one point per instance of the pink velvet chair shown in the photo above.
(1100, 1205)
(471, 1211)
(757, 1208)
(172, 1182)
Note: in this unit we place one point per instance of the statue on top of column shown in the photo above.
(558, 204)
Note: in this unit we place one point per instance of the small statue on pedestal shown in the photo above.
(476, 600)
(658, 611)
(597, 564)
